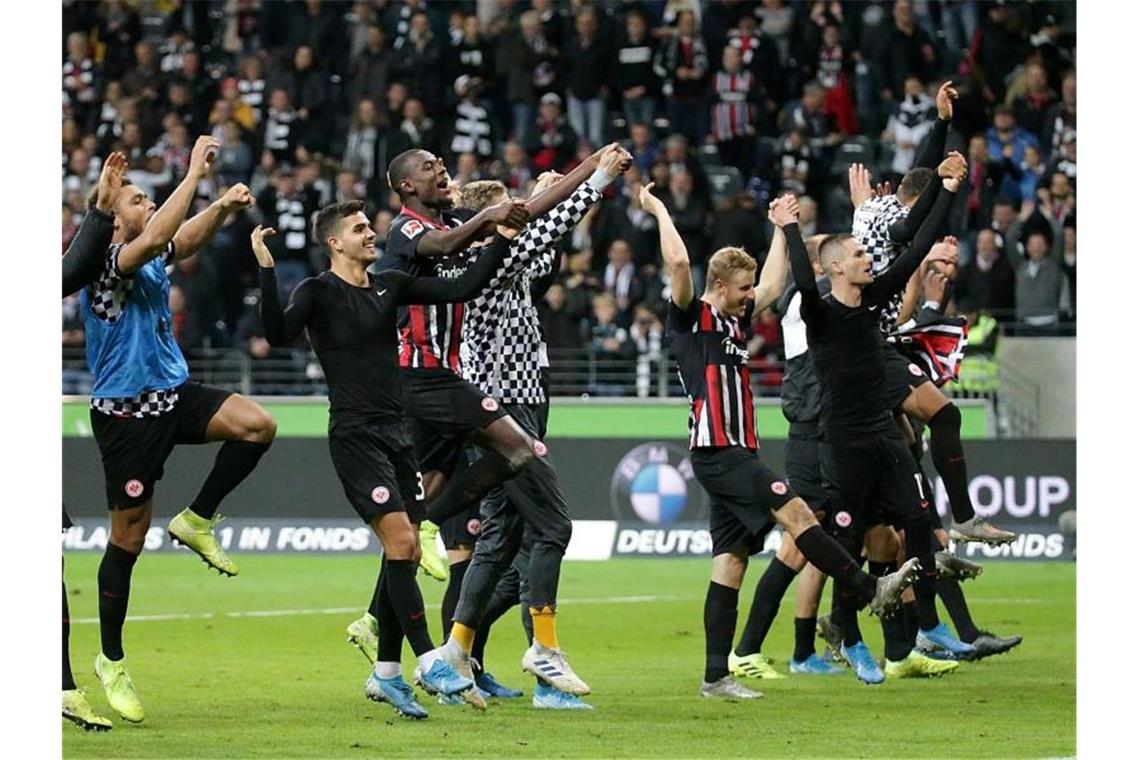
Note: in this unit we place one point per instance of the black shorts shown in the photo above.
(743, 493)
(879, 483)
(376, 464)
(446, 410)
(806, 458)
(902, 376)
(462, 529)
(134, 449)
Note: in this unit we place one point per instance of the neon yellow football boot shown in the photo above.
(432, 562)
(918, 665)
(78, 710)
(119, 689)
(197, 534)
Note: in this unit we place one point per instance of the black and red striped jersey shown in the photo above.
(430, 336)
(712, 360)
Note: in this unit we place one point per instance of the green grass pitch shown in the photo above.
(257, 666)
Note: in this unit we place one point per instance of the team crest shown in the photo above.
(412, 228)
(474, 526)
(843, 519)
(914, 370)
(134, 488)
(779, 488)
(380, 495)
(540, 448)
(490, 404)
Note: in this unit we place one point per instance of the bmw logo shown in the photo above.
(654, 483)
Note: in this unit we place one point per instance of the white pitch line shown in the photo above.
(349, 610)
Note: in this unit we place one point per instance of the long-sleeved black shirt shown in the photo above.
(353, 329)
(86, 253)
(844, 340)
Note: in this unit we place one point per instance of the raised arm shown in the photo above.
(282, 326)
(785, 215)
(448, 242)
(433, 290)
(895, 277)
(201, 229)
(564, 187)
(935, 144)
(673, 251)
(774, 273)
(86, 252)
(163, 226)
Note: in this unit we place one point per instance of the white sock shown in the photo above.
(427, 659)
(386, 669)
(453, 648)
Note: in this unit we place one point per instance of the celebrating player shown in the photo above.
(143, 403)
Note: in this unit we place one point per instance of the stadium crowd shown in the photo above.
(722, 104)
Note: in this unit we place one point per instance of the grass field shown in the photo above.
(257, 666)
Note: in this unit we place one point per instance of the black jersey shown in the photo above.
(712, 360)
(353, 329)
(844, 341)
(430, 334)
(800, 393)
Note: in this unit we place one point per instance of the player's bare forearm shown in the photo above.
(910, 298)
(774, 273)
(435, 290)
(895, 277)
(199, 230)
(454, 240)
(161, 228)
(562, 189)
(676, 259)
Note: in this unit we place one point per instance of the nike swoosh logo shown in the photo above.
(381, 292)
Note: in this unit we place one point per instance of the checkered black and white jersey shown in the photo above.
(146, 404)
(503, 350)
(871, 228)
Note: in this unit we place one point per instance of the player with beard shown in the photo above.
(351, 318)
(747, 497)
(143, 403)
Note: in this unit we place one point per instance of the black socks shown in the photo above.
(896, 646)
(950, 461)
(720, 625)
(918, 545)
(408, 603)
(391, 634)
(951, 594)
(114, 589)
(805, 639)
(832, 559)
(769, 592)
(235, 461)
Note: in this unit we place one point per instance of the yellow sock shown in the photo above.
(463, 636)
(544, 627)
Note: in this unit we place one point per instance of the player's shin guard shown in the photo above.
(770, 590)
(895, 644)
(951, 594)
(918, 545)
(471, 485)
(833, 559)
(235, 461)
(720, 624)
(950, 461)
(400, 579)
(451, 596)
(114, 590)
(68, 678)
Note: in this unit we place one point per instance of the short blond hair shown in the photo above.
(477, 195)
(726, 261)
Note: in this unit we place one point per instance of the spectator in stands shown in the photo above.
(690, 215)
(778, 21)
(82, 172)
(643, 147)
(196, 280)
(201, 90)
(794, 163)
(1053, 56)
(1032, 107)
(235, 159)
(679, 157)
(515, 170)
(586, 69)
(611, 348)
(633, 73)
(418, 128)
(808, 116)
(581, 284)
(240, 111)
(559, 325)
(371, 69)
(525, 58)
(1007, 224)
(912, 119)
(621, 280)
(907, 50)
(283, 126)
(1005, 133)
(1029, 174)
(79, 72)
(144, 80)
(1066, 160)
(682, 64)
(761, 56)
(287, 207)
(741, 224)
(1069, 265)
(1040, 287)
(550, 141)
(647, 334)
(475, 128)
(987, 281)
(998, 48)
(252, 86)
(765, 348)
(734, 112)
(1061, 119)
(420, 64)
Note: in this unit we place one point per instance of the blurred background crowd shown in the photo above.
(722, 103)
